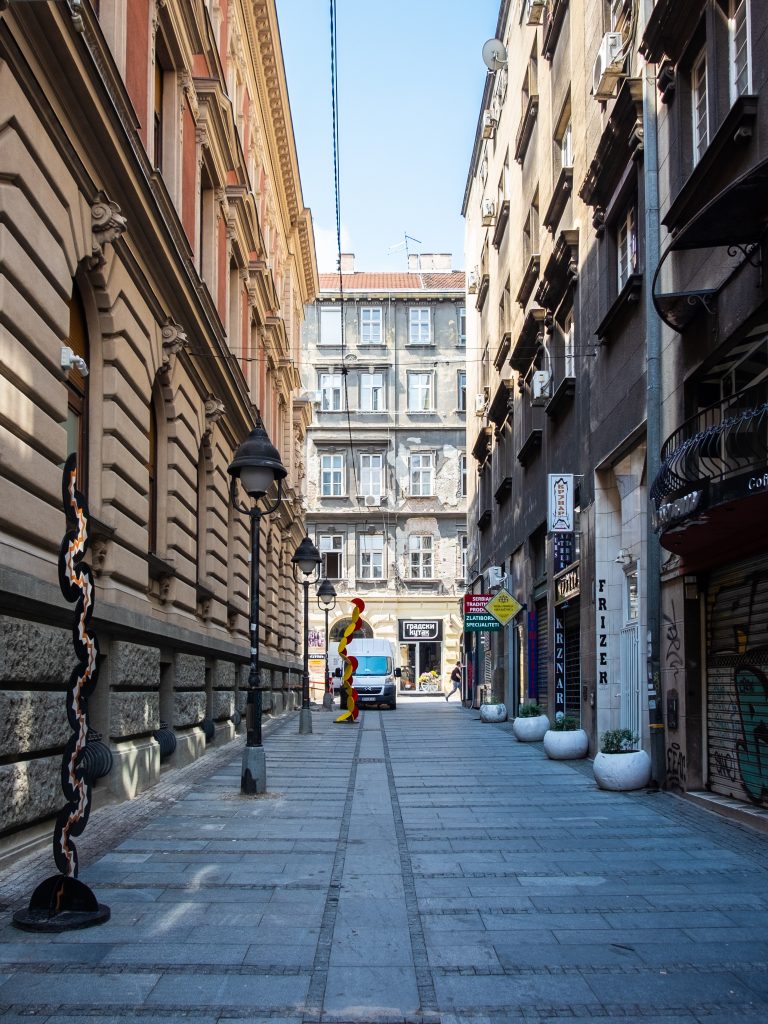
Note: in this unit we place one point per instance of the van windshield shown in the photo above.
(374, 665)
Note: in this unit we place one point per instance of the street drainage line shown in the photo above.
(424, 980)
(318, 980)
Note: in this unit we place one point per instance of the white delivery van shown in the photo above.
(375, 679)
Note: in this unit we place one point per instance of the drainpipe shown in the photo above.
(653, 412)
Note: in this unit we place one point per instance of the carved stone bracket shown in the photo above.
(175, 340)
(214, 410)
(107, 224)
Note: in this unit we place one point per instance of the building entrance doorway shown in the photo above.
(422, 667)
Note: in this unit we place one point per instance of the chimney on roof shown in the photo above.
(347, 263)
(430, 261)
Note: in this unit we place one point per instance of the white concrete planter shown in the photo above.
(631, 770)
(493, 712)
(566, 744)
(530, 730)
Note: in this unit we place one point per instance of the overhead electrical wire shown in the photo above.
(337, 192)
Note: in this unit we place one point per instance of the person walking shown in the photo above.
(455, 679)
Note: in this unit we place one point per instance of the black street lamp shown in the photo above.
(326, 600)
(308, 560)
(257, 466)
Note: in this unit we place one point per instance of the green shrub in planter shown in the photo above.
(531, 710)
(618, 741)
(565, 723)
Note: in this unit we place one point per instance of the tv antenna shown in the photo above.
(404, 245)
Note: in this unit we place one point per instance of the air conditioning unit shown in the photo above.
(473, 279)
(372, 501)
(534, 11)
(489, 212)
(489, 125)
(540, 387)
(480, 403)
(608, 67)
(496, 576)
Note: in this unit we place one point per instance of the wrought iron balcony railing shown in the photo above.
(718, 445)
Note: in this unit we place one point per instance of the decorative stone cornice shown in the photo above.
(107, 224)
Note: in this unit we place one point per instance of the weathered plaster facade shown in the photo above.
(385, 455)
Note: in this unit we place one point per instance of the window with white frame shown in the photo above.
(566, 145)
(739, 44)
(420, 556)
(330, 325)
(422, 474)
(331, 547)
(370, 325)
(462, 326)
(462, 390)
(371, 548)
(631, 595)
(371, 475)
(699, 106)
(463, 474)
(419, 325)
(331, 392)
(569, 348)
(626, 247)
(372, 393)
(420, 392)
(332, 476)
(463, 556)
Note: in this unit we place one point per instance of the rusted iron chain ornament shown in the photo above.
(350, 663)
(61, 901)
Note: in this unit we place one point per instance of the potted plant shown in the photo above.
(620, 765)
(565, 740)
(493, 710)
(531, 723)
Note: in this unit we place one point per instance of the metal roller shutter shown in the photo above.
(737, 681)
(542, 653)
(572, 625)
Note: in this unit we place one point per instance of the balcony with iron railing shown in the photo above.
(713, 465)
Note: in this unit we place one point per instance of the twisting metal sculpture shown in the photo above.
(61, 901)
(350, 663)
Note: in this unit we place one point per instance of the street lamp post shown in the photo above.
(326, 600)
(307, 559)
(257, 466)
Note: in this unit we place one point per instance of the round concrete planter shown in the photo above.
(565, 744)
(493, 712)
(530, 730)
(630, 770)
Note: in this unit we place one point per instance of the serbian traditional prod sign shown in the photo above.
(476, 617)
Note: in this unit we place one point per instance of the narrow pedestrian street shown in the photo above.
(418, 867)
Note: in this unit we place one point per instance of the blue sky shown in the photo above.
(410, 81)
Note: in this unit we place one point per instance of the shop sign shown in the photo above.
(476, 617)
(503, 606)
(559, 663)
(416, 630)
(560, 504)
(602, 633)
(567, 585)
(315, 638)
(564, 550)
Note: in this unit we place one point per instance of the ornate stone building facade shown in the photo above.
(155, 261)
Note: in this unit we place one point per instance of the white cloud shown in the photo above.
(326, 247)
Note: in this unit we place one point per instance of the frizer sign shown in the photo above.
(560, 506)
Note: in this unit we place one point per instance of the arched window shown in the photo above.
(336, 632)
(77, 389)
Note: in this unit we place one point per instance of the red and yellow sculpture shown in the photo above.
(350, 663)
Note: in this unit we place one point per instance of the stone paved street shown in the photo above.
(418, 867)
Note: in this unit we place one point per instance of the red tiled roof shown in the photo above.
(394, 282)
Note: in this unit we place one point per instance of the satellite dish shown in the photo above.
(494, 54)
